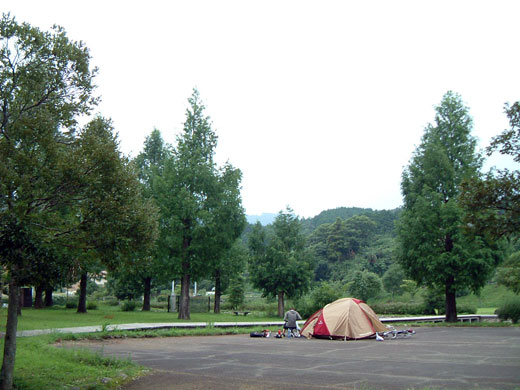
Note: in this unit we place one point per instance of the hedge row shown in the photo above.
(398, 308)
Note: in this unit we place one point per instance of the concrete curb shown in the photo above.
(187, 325)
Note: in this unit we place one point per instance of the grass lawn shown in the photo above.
(67, 369)
(64, 368)
(53, 318)
(491, 297)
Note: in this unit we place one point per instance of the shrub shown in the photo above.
(92, 306)
(510, 310)
(393, 279)
(159, 305)
(364, 285)
(112, 301)
(321, 295)
(128, 306)
(162, 298)
(398, 308)
(463, 308)
(71, 304)
(434, 301)
(59, 300)
(466, 308)
(236, 291)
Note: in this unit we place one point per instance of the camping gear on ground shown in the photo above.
(393, 333)
(346, 318)
(263, 333)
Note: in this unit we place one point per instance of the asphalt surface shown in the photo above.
(434, 358)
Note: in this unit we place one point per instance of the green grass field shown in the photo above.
(53, 318)
(66, 368)
(490, 298)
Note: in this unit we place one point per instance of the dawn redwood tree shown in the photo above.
(55, 200)
(147, 267)
(116, 221)
(280, 265)
(434, 247)
(226, 255)
(200, 206)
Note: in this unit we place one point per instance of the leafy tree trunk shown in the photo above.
(184, 309)
(38, 298)
(451, 303)
(82, 303)
(147, 293)
(281, 305)
(48, 297)
(218, 292)
(6, 375)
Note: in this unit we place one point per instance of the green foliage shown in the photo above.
(112, 302)
(364, 240)
(227, 272)
(493, 202)
(510, 310)
(364, 285)
(64, 368)
(71, 304)
(91, 287)
(434, 247)
(398, 308)
(508, 274)
(321, 295)
(393, 279)
(434, 302)
(410, 287)
(200, 204)
(462, 308)
(128, 306)
(236, 291)
(279, 264)
(124, 284)
(324, 294)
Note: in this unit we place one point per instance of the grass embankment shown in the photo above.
(491, 297)
(42, 366)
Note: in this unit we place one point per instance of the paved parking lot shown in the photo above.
(435, 358)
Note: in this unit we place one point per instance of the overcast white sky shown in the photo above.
(319, 103)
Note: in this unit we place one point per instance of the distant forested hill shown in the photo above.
(384, 218)
(346, 239)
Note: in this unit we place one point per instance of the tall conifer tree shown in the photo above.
(434, 248)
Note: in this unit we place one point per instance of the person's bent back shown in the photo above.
(290, 318)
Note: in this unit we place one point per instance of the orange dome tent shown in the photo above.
(346, 318)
